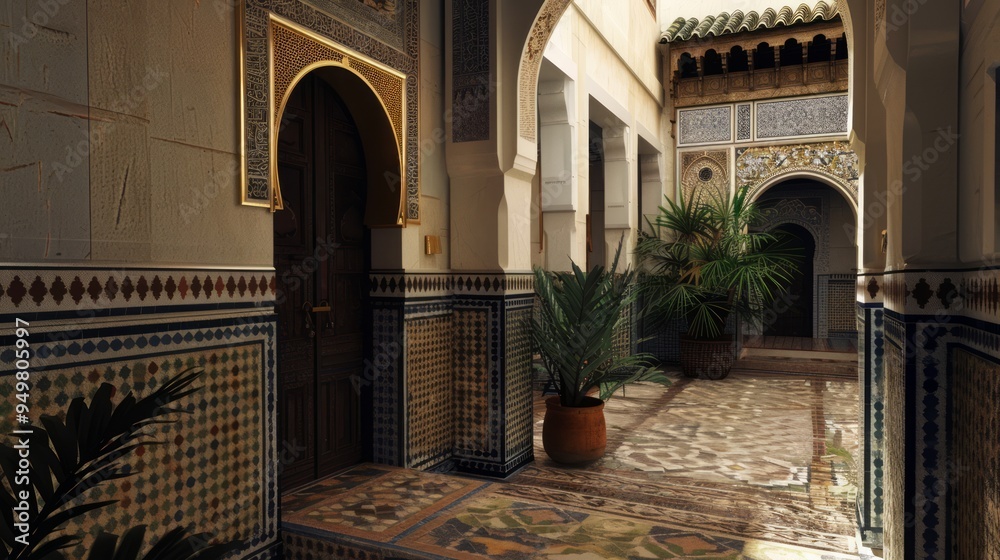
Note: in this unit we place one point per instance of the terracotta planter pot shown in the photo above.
(574, 435)
(707, 359)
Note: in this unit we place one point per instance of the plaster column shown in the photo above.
(921, 48)
(620, 193)
(490, 168)
(559, 181)
(651, 183)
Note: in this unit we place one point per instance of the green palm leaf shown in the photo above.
(704, 261)
(574, 331)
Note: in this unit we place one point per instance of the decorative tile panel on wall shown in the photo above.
(941, 335)
(841, 315)
(518, 395)
(440, 285)
(814, 116)
(894, 480)
(91, 292)
(975, 499)
(870, 289)
(493, 430)
(473, 365)
(457, 342)
(471, 84)
(871, 356)
(386, 36)
(705, 126)
(388, 348)
(218, 464)
(429, 386)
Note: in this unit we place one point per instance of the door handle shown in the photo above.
(307, 307)
(324, 307)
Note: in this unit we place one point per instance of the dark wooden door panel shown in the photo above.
(320, 353)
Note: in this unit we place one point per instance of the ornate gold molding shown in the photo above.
(330, 33)
(835, 162)
(295, 52)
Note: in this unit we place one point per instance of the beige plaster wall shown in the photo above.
(434, 185)
(843, 248)
(44, 123)
(629, 30)
(120, 138)
(139, 100)
(977, 178)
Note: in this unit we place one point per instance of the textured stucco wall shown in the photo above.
(122, 120)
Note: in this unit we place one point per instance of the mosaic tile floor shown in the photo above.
(745, 469)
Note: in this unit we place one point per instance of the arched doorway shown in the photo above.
(322, 259)
(820, 221)
(794, 309)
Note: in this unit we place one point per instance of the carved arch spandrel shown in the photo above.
(531, 64)
(835, 162)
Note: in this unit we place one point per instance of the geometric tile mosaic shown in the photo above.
(375, 509)
(386, 372)
(429, 390)
(841, 316)
(517, 407)
(794, 501)
(439, 285)
(215, 469)
(472, 370)
(930, 402)
(975, 497)
(871, 342)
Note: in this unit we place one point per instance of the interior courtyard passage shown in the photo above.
(752, 467)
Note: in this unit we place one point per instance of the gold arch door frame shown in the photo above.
(295, 52)
(283, 40)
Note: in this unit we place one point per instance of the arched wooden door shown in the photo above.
(322, 260)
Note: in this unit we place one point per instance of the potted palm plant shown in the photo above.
(702, 262)
(574, 328)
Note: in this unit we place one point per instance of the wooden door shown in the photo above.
(321, 258)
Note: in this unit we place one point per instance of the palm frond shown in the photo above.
(704, 260)
(574, 330)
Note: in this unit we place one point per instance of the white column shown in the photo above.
(559, 182)
(651, 183)
(620, 192)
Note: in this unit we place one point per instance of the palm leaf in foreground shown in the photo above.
(72, 456)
